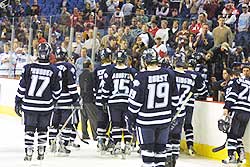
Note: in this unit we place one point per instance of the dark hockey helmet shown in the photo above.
(224, 124)
(192, 63)
(105, 53)
(44, 50)
(200, 57)
(121, 56)
(150, 56)
(61, 54)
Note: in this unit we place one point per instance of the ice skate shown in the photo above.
(41, 151)
(191, 151)
(242, 158)
(126, 150)
(29, 152)
(52, 147)
(74, 145)
(117, 149)
(230, 160)
(63, 151)
(101, 146)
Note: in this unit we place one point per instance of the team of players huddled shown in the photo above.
(152, 105)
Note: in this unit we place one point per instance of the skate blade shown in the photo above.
(62, 155)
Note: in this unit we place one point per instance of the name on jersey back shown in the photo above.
(39, 71)
(157, 78)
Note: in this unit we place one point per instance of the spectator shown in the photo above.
(237, 55)
(141, 16)
(163, 32)
(162, 9)
(222, 33)
(90, 44)
(242, 35)
(229, 13)
(100, 22)
(117, 18)
(35, 8)
(172, 34)
(160, 48)
(217, 60)
(79, 62)
(221, 85)
(146, 37)
(153, 29)
(127, 36)
(127, 11)
(111, 7)
(64, 21)
(137, 51)
(87, 11)
(203, 40)
(184, 8)
(90, 22)
(105, 39)
(8, 61)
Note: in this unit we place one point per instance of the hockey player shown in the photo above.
(117, 81)
(237, 101)
(200, 89)
(102, 113)
(185, 84)
(69, 97)
(152, 104)
(39, 89)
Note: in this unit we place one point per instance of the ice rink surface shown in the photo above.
(12, 152)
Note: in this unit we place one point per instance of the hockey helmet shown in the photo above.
(44, 50)
(224, 124)
(150, 55)
(105, 53)
(121, 56)
(192, 62)
(200, 57)
(61, 53)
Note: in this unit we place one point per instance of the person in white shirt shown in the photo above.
(163, 32)
(160, 48)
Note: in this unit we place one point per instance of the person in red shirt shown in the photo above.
(153, 29)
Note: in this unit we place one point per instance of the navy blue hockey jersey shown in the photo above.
(185, 84)
(69, 93)
(238, 95)
(154, 97)
(200, 87)
(117, 83)
(99, 82)
(39, 87)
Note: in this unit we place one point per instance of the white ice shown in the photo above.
(12, 152)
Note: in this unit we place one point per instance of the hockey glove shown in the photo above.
(18, 109)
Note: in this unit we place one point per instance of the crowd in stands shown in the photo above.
(214, 32)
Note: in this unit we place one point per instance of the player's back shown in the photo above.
(238, 95)
(156, 93)
(185, 84)
(69, 88)
(39, 86)
(117, 83)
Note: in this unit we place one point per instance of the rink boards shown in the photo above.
(206, 114)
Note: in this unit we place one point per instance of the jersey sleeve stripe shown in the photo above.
(154, 122)
(133, 110)
(21, 88)
(37, 101)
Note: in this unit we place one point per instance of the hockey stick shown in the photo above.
(84, 141)
(216, 149)
(182, 106)
(64, 125)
